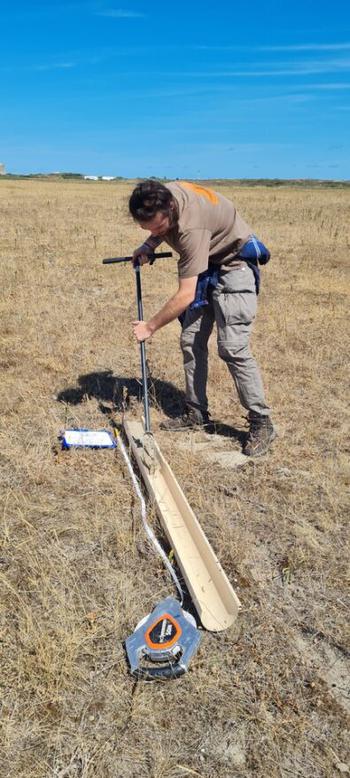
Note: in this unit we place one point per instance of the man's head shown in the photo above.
(153, 207)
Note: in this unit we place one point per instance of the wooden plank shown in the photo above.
(214, 598)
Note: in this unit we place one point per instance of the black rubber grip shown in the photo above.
(113, 260)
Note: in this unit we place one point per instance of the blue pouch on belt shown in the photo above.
(254, 253)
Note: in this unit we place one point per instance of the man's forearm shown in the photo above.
(170, 311)
(152, 242)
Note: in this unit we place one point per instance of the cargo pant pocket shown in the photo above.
(233, 308)
(235, 299)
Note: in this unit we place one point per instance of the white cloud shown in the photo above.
(290, 47)
(53, 66)
(308, 47)
(303, 68)
(330, 86)
(38, 68)
(119, 13)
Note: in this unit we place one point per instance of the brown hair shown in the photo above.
(148, 198)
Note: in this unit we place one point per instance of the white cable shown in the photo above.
(148, 529)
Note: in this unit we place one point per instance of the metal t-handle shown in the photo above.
(114, 260)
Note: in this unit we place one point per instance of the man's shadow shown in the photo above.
(121, 391)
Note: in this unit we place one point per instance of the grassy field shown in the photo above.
(268, 698)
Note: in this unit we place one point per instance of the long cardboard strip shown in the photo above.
(213, 596)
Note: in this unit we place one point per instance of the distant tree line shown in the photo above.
(268, 182)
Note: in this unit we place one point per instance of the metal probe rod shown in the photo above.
(142, 349)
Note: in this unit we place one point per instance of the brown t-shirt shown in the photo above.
(208, 228)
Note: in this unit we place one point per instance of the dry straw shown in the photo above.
(268, 698)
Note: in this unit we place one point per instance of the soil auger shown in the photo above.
(147, 441)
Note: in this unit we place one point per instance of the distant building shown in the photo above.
(91, 178)
(2, 169)
(107, 178)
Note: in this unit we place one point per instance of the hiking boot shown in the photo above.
(261, 433)
(191, 418)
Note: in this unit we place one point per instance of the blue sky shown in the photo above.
(178, 89)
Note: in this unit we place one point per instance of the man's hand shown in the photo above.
(170, 311)
(141, 330)
(148, 247)
(140, 256)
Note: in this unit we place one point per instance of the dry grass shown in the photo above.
(269, 697)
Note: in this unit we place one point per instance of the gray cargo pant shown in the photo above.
(233, 307)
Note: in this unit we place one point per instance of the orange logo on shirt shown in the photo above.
(201, 191)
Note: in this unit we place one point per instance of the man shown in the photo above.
(218, 282)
